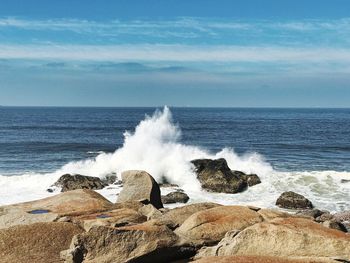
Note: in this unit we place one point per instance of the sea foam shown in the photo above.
(155, 146)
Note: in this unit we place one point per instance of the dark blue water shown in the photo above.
(43, 139)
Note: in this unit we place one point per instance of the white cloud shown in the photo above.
(176, 53)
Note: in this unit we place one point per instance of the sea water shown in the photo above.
(301, 150)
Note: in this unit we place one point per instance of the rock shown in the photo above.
(165, 185)
(344, 181)
(270, 214)
(72, 182)
(175, 197)
(138, 243)
(117, 217)
(176, 216)
(209, 226)
(71, 203)
(216, 176)
(335, 225)
(284, 237)
(314, 213)
(291, 200)
(342, 216)
(140, 185)
(324, 217)
(39, 242)
(262, 259)
(251, 179)
(150, 212)
(110, 179)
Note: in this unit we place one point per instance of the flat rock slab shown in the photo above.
(73, 203)
(210, 226)
(39, 242)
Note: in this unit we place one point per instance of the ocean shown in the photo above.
(301, 150)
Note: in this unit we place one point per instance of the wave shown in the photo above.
(155, 146)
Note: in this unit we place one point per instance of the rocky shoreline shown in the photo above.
(80, 225)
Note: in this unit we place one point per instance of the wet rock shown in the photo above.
(216, 176)
(210, 226)
(138, 185)
(344, 181)
(39, 242)
(175, 197)
(284, 237)
(110, 179)
(251, 179)
(165, 185)
(72, 182)
(291, 200)
(138, 243)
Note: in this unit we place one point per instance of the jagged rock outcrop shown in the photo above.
(139, 185)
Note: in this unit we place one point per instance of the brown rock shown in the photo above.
(284, 237)
(260, 259)
(216, 176)
(117, 217)
(138, 243)
(176, 216)
(291, 200)
(76, 202)
(139, 185)
(210, 226)
(39, 242)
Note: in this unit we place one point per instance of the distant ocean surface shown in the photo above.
(305, 150)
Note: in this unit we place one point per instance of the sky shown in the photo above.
(199, 53)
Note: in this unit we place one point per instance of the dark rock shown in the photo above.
(324, 217)
(335, 225)
(175, 197)
(50, 190)
(293, 200)
(252, 179)
(314, 213)
(139, 185)
(344, 181)
(110, 179)
(72, 182)
(216, 176)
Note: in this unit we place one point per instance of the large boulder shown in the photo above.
(77, 181)
(291, 200)
(139, 185)
(284, 237)
(39, 242)
(138, 243)
(71, 203)
(216, 176)
(210, 226)
(262, 259)
(175, 197)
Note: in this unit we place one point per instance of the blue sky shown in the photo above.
(249, 53)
